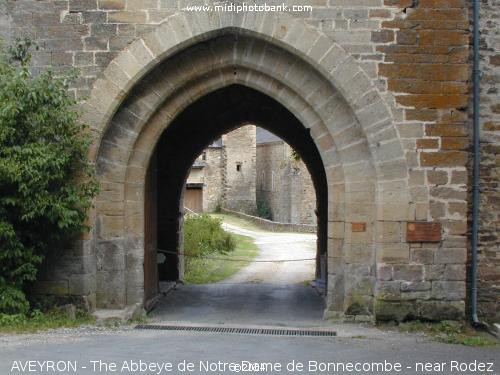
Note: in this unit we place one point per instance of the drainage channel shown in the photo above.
(239, 331)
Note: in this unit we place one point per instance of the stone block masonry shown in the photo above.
(284, 184)
(426, 67)
(214, 178)
(240, 169)
(489, 211)
(392, 124)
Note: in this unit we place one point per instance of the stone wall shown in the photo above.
(284, 184)
(214, 175)
(272, 188)
(240, 158)
(416, 55)
(274, 226)
(425, 63)
(489, 214)
(304, 195)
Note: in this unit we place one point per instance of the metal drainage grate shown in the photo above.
(241, 331)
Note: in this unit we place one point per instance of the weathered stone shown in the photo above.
(93, 16)
(79, 5)
(415, 286)
(422, 256)
(437, 209)
(455, 227)
(112, 4)
(439, 310)
(459, 177)
(451, 255)
(414, 296)
(408, 272)
(384, 272)
(355, 304)
(449, 290)
(388, 290)
(393, 253)
(127, 17)
(398, 311)
(96, 44)
(437, 177)
(455, 272)
(448, 193)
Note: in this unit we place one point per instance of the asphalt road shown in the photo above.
(268, 293)
(257, 299)
(224, 303)
(161, 346)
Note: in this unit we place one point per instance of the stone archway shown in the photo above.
(205, 120)
(193, 54)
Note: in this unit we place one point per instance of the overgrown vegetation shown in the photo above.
(36, 321)
(203, 270)
(212, 253)
(46, 183)
(203, 235)
(450, 332)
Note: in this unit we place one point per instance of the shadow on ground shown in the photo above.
(256, 304)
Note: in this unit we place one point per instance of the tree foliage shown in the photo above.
(46, 184)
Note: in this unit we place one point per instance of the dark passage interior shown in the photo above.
(196, 127)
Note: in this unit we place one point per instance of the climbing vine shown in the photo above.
(46, 183)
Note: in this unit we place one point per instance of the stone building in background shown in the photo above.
(239, 183)
(224, 174)
(251, 170)
(284, 184)
(205, 183)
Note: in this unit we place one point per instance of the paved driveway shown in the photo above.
(225, 303)
(264, 292)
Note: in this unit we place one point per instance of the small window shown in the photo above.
(204, 156)
(238, 167)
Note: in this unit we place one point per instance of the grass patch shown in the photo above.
(242, 223)
(139, 319)
(37, 321)
(450, 332)
(203, 270)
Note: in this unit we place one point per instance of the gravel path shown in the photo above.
(277, 246)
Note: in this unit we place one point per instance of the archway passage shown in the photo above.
(200, 124)
(234, 76)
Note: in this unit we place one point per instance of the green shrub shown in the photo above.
(12, 300)
(203, 235)
(264, 211)
(218, 207)
(46, 183)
